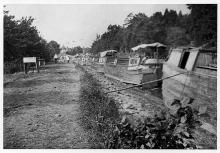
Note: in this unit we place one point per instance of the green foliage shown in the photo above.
(203, 22)
(54, 48)
(110, 39)
(75, 50)
(171, 28)
(139, 28)
(99, 112)
(162, 132)
(22, 39)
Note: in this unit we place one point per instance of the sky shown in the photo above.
(78, 24)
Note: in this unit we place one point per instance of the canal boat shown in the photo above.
(102, 60)
(197, 80)
(143, 64)
(85, 60)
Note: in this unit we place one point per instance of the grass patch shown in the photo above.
(99, 112)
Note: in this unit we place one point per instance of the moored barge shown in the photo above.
(197, 81)
(142, 65)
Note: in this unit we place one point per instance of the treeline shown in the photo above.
(170, 28)
(22, 39)
(77, 50)
(74, 50)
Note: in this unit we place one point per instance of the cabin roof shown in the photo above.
(211, 49)
(157, 44)
(104, 53)
(201, 49)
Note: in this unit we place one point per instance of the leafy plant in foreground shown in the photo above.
(170, 132)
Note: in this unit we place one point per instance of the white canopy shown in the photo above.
(147, 45)
(103, 54)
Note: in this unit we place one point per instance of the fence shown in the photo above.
(13, 66)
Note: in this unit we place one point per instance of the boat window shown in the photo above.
(184, 60)
(207, 60)
(134, 61)
(206, 63)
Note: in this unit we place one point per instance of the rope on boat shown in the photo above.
(145, 83)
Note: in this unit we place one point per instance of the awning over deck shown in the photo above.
(148, 45)
(103, 54)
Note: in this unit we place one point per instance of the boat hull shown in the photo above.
(137, 77)
(202, 88)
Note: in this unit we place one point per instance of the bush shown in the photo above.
(162, 132)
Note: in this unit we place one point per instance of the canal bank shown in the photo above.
(139, 104)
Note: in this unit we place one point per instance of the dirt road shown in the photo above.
(42, 110)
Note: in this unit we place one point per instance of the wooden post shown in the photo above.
(25, 68)
(37, 66)
(157, 56)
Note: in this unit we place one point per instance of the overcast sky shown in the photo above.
(73, 25)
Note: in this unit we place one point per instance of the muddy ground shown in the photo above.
(42, 110)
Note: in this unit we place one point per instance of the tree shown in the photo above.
(111, 39)
(176, 36)
(75, 50)
(170, 28)
(203, 19)
(54, 48)
(170, 17)
(22, 39)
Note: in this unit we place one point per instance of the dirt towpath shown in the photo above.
(42, 110)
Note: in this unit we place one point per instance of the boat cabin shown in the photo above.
(146, 54)
(102, 60)
(104, 54)
(194, 59)
(140, 66)
(196, 79)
